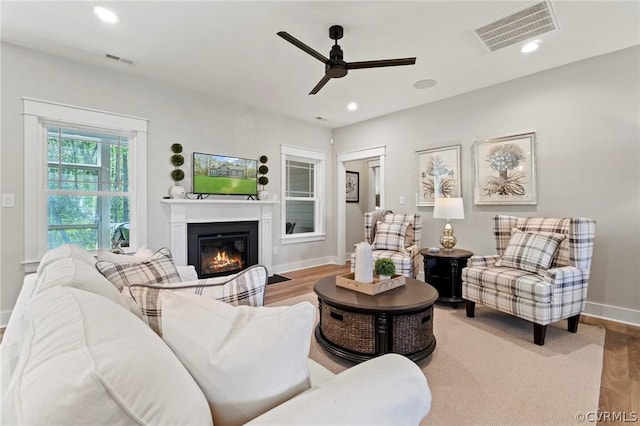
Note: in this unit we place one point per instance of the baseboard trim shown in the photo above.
(4, 317)
(309, 263)
(612, 313)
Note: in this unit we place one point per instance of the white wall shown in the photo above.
(198, 122)
(354, 212)
(586, 118)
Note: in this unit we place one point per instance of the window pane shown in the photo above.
(300, 179)
(301, 214)
(101, 160)
(92, 222)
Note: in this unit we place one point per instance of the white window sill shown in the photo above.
(302, 238)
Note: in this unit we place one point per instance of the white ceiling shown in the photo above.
(231, 51)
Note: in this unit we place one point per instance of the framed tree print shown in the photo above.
(353, 187)
(438, 174)
(505, 170)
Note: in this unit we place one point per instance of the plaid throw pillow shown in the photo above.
(391, 236)
(159, 269)
(530, 251)
(245, 288)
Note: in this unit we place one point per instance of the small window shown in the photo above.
(302, 208)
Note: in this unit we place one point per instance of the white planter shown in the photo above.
(177, 192)
(263, 194)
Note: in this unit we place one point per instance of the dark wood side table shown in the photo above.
(358, 327)
(443, 270)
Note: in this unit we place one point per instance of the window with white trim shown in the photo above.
(85, 179)
(303, 176)
(87, 190)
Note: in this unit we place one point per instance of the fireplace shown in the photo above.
(222, 248)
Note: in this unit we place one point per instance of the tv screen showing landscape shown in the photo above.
(220, 174)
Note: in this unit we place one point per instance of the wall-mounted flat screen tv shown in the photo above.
(224, 175)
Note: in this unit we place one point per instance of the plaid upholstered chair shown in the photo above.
(540, 274)
(396, 236)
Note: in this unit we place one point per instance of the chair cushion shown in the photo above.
(404, 261)
(246, 360)
(158, 270)
(86, 361)
(517, 282)
(244, 288)
(530, 251)
(391, 236)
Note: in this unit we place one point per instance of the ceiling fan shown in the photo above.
(336, 67)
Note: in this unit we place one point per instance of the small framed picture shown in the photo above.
(353, 187)
(505, 170)
(438, 174)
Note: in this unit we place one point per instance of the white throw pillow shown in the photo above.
(85, 361)
(246, 360)
(77, 273)
(143, 253)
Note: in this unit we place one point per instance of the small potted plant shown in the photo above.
(385, 268)
(177, 160)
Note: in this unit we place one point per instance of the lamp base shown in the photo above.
(448, 240)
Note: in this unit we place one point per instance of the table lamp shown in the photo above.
(448, 208)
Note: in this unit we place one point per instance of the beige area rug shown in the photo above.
(487, 371)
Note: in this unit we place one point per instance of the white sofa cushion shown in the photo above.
(86, 361)
(158, 269)
(246, 360)
(387, 390)
(244, 288)
(63, 252)
(77, 273)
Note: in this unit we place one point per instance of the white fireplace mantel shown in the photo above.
(182, 212)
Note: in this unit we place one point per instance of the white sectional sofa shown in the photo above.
(75, 353)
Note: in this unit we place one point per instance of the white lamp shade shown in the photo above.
(448, 208)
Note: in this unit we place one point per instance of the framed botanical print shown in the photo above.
(438, 174)
(353, 187)
(505, 170)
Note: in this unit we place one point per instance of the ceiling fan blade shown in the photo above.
(380, 63)
(320, 85)
(301, 45)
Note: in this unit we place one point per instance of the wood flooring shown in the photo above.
(620, 381)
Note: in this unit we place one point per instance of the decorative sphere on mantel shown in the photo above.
(263, 194)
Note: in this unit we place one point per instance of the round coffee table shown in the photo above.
(358, 327)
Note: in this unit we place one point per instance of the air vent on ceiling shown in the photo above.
(118, 58)
(529, 22)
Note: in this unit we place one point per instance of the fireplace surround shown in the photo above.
(181, 213)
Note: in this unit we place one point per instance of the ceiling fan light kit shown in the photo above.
(335, 66)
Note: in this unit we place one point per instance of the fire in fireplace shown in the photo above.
(222, 248)
(221, 256)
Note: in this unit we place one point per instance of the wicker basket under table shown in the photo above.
(358, 327)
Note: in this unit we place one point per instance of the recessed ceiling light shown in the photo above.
(352, 106)
(530, 47)
(106, 15)
(425, 84)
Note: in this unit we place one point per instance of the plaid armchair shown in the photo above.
(394, 239)
(516, 280)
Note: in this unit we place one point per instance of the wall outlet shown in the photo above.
(275, 250)
(402, 200)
